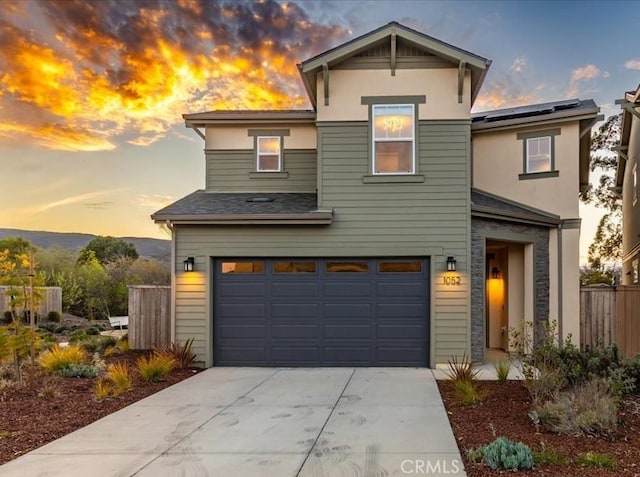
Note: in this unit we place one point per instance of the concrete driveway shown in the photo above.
(246, 422)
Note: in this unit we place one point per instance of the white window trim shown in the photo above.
(528, 167)
(259, 154)
(374, 141)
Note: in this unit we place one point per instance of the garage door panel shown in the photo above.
(292, 289)
(298, 311)
(401, 310)
(283, 355)
(348, 353)
(347, 331)
(236, 331)
(238, 355)
(352, 311)
(345, 313)
(402, 330)
(295, 331)
(401, 290)
(238, 288)
(347, 289)
(242, 310)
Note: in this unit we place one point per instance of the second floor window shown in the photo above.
(269, 154)
(393, 139)
(538, 155)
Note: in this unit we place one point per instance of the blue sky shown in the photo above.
(91, 93)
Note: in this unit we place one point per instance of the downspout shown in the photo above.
(560, 307)
(172, 307)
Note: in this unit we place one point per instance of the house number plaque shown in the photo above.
(454, 280)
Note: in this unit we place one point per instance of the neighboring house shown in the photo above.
(627, 185)
(387, 226)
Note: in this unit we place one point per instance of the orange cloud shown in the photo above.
(110, 72)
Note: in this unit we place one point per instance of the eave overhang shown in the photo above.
(630, 106)
(312, 218)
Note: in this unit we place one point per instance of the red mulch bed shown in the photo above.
(30, 418)
(504, 412)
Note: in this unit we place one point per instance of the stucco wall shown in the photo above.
(498, 162)
(236, 137)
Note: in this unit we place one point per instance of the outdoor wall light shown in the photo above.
(451, 264)
(188, 264)
(495, 272)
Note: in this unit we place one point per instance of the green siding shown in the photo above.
(228, 171)
(388, 219)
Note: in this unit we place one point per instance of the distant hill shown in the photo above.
(146, 247)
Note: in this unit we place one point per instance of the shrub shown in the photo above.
(503, 453)
(123, 344)
(549, 456)
(467, 392)
(103, 389)
(79, 371)
(593, 459)
(502, 370)
(50, 389)
(50, 327)
(461, 370)
(97, 344)
(7, 316)
(182, 354)
(93, 331)
(119, 376)
(53, 316)
(77, 335)
(588, 408)
(156, 367)
(545, 384)
(58, 358)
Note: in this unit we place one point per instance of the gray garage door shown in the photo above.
(321, 312)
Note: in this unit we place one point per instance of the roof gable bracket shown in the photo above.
(393, 53)
(198, 132)
(325, 80)
(462, 67)
(590, 124)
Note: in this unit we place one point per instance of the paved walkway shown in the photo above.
(247, 422)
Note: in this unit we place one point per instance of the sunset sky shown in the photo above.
(92, 92)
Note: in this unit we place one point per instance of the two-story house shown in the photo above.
(387, 226)
(627, 185)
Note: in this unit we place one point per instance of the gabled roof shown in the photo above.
(476, 64)
(202, 207)
(630, 105)
(484, 204)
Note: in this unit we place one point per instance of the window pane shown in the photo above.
(294, 267)
(400, 267)
(539, 154)
(268, 163)
(347, 267)
(243, 267)
(268, 145)
(394, 157)
(393, 122)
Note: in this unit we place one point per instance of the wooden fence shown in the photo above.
(611, 315)
(149, 316)
(47, 299)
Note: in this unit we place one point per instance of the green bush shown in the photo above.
(93, 331)
(53, 316)
(503, 453)
(77, 335)
(467, 392)
(502, 370)
(596, 460)
(79, 371)
(97, 344)
(50, 327)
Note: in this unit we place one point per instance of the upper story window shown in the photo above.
(539, 159)
(393, 135)
(538, 154)
(268, 154)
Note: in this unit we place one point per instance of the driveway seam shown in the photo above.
(164, 452)
(325, 423)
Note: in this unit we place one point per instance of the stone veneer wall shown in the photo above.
(482, 229)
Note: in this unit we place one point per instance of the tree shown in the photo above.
(607, 242)
(108, 249)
